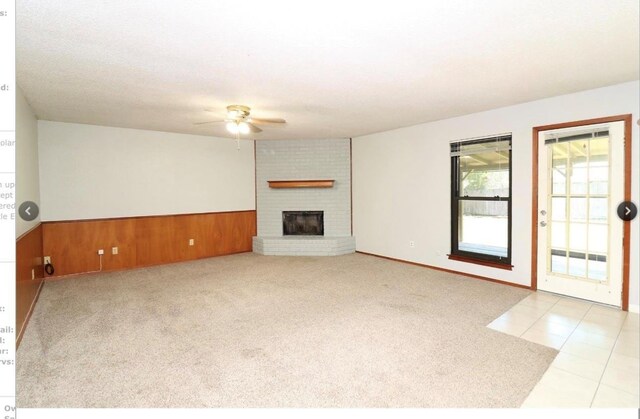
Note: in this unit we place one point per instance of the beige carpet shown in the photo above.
(263, 331)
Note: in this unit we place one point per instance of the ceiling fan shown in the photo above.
(240, 121)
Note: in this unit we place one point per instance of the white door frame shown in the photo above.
(627, 196)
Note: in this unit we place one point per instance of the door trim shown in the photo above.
(626, 238)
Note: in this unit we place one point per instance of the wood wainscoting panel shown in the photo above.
(163, 239)
(73, 245)
(146, 241)
(28, 258)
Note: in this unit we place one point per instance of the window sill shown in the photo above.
(467, 259)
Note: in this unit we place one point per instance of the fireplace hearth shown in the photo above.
(303, 223)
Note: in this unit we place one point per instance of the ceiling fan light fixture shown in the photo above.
(239, 121)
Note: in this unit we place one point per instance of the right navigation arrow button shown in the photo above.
(627, 211)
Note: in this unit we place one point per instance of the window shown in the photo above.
(481, 200)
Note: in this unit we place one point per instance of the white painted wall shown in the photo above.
(89, 171)
(401, 180)
(27, 179)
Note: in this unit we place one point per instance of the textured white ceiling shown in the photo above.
(330, 68)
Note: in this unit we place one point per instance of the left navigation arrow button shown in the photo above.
(28, 211)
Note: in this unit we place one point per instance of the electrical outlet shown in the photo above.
(33, 273)
(101, 251)
(114, 250)
(191, 242)
(47, 260)
(412, 244)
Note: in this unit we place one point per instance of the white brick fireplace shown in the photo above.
(287, 160)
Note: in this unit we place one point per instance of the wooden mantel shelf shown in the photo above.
(281, 184)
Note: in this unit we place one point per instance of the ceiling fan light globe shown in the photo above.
(244, 128)
(233, 127)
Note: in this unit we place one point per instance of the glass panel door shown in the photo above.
(580, 184)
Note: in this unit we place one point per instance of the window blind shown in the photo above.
(558, 138)
(480, 145)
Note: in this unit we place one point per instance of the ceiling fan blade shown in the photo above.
(267, 120)
(253, 128)
(208, 122)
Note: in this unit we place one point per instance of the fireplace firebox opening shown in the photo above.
(303, 223)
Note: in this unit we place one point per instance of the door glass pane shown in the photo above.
(578, 236)
(484, 227)
(598, 238)
(559, 264)
(559, 169)
(597, 268)
(578, 209)
(558, 235)
(578, 170)
(598, 209)
(577, 265)
(599, 166)
(558, 208)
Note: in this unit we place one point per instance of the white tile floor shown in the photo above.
(598, 363)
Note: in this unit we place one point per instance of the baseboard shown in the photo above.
(29, 276)
(451, 271)
(23, 327)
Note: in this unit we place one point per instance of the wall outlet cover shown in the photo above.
(114, 250)
(101, 251)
